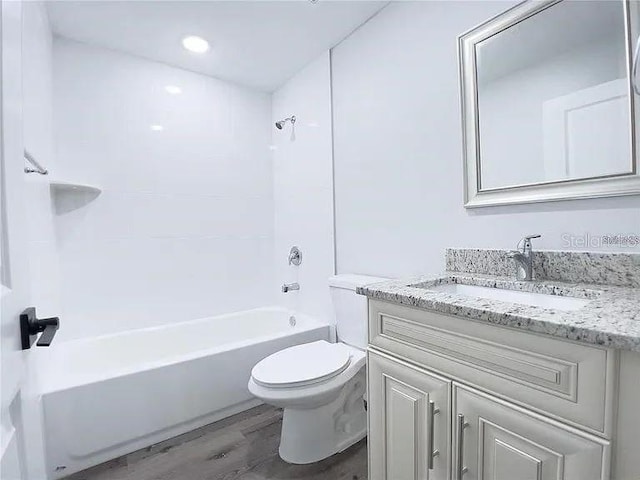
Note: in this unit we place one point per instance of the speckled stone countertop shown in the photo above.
(611, 316)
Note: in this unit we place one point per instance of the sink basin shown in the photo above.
(541, 300)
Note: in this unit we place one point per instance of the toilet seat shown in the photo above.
(302, 365)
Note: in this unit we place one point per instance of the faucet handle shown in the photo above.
(295, 255)
(526, 243)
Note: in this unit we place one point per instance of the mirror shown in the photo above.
(547, 104)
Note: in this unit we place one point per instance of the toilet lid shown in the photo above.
(302, 365)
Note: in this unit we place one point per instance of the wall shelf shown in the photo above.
(69, 196)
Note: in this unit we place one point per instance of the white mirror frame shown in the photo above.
(605, 186)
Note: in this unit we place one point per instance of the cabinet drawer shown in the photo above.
(571, 381)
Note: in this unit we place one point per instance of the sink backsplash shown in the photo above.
(621, 269)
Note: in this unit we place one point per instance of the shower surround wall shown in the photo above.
(303, 189)
(184, 226)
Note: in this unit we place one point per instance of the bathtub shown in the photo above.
(107, 396)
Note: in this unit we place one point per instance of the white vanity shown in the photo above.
(463, 387)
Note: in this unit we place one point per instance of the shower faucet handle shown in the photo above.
(295, 256)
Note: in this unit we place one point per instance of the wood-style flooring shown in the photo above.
(241, 447)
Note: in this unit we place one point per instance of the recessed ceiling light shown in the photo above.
(195, 44)
(173, 90)
(156, 128)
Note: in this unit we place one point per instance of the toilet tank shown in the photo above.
(350, 308)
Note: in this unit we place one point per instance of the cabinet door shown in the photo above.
(409, 422)
(494, 440)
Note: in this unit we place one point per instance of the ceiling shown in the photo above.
(259, 44)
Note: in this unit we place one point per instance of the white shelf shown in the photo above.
(69, 196)
(70, 187)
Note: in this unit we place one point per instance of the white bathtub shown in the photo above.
(108, 396)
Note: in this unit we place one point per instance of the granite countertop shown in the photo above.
(610, 318)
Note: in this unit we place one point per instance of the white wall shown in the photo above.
(38, 140)
(183, 227)
(398, 155)
(303, 189)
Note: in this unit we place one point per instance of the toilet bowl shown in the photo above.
(321, 385)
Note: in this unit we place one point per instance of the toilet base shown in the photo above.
(313, 434)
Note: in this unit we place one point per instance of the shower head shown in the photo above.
(281, 123)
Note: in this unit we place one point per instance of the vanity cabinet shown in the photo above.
(510, 404)
(409, 421)
(566, 380)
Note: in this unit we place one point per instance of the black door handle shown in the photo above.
(31, 326)
(52, 325)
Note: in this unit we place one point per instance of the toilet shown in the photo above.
(321, 385)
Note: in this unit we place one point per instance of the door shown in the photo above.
(585, 127)
(13, 255)
(409, 421)
(494, 440)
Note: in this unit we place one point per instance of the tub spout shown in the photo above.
(287, 287)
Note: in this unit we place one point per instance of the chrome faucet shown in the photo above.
(288, 287)
(295, 256)
(523, 257)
